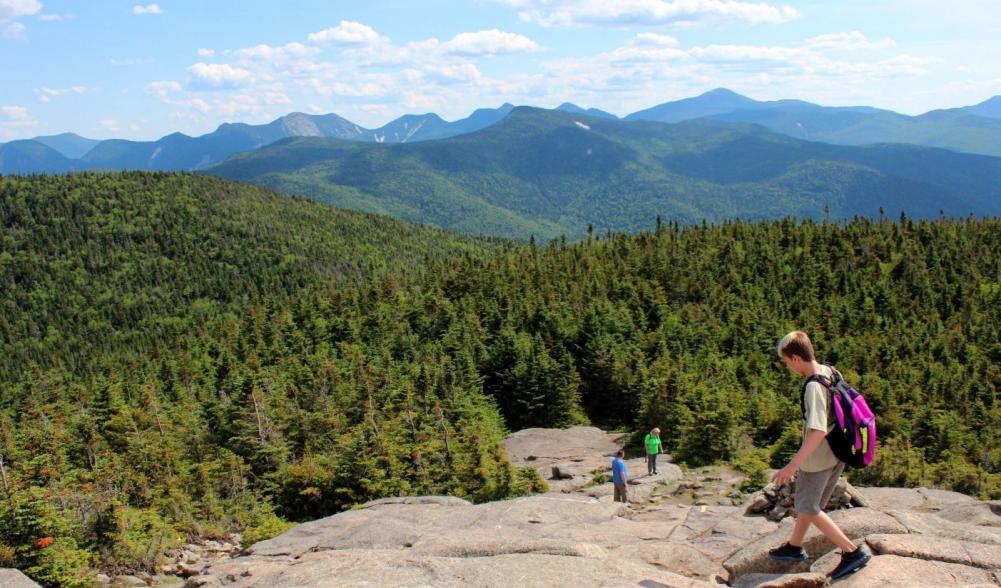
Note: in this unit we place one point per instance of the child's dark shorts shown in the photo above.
(814, 489)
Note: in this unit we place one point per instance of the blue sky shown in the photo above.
(106, 68)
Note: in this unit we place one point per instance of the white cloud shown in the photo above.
(12, 31)
(645, 67)
(147, 9)
(163, 88)
(11, 9)
(654, 39)
(633, 13)
(14, 121)
(56, 17)
(268, 53)
(44, 93)
(15, 113)
(853, 40)
(451, 73)
(738, 53)
(110, 124)
(217, 76)
(206, 52)
(362, 86)
(347, 33)
(489, 42)
(648, 47)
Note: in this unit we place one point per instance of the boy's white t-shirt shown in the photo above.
(819, 416)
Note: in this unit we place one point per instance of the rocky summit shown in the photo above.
(575, 535)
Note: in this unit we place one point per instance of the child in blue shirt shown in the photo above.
(620, 477)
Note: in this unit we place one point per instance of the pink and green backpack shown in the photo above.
(853, 438)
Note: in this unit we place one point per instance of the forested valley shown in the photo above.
(183, 355)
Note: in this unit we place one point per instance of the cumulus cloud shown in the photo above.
(206, 52)
(147, 9)
(110, 124)
(744, 53)
(654, 39)
(15, 113)
(56, 17)
(217, 76)
(489, 42)
(853, 40)
(15, 120)
(45, 94)
(11, 9)
(264, 52)
(12, 31)
(347, 33)
(163, 88)
(633, 13)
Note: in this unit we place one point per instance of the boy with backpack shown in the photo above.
(815, 466)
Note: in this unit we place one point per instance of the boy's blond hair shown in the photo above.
(796, 343)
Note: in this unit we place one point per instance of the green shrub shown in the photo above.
(601, 478)
(62, 564)
(529, 481)
(755, 465)
(139, 538)
(259, 522)
(265, 527)
(8, 556)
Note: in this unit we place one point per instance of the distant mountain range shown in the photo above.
(177, 151)
(972, 129)
(546, 173)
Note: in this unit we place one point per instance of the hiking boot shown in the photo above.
(788, 553)
(851, 562)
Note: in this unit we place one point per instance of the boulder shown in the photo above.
(981, 514)
(977, 555)
(129, 582)
(757, 503)
(10, 578)
(905, 572)
(561, 473)
(917, 499)
(190, 569)
(929, 523)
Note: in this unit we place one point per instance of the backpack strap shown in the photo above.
(823, 380)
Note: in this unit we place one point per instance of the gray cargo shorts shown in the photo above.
(814, 489)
